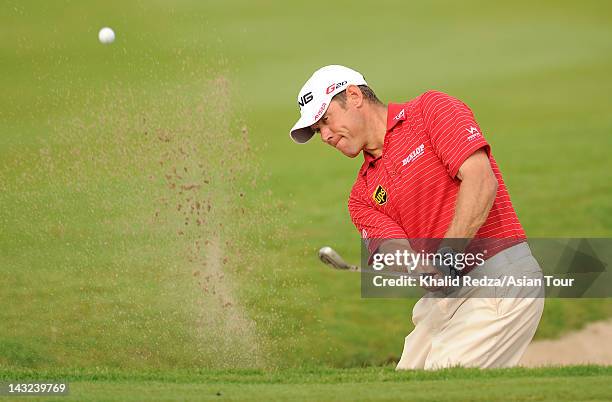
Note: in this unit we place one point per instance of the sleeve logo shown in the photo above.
(473, 133)
(364, 238)
(380, 195)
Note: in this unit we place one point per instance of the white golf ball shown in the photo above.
(106, 35)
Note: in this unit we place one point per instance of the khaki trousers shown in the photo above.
(477, 327)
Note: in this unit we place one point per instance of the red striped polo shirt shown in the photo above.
(410, 190)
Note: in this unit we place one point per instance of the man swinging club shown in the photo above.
(428, 173)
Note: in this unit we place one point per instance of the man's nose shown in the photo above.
(326, 134)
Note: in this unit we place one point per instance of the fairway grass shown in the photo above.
(578, 383)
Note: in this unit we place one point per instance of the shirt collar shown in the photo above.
(395, 113)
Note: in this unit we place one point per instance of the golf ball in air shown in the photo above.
(106, 35)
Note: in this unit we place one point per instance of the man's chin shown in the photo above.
(351, 154)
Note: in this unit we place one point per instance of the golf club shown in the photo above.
(331, 257)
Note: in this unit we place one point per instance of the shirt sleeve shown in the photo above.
(452, 129)
(373, 225)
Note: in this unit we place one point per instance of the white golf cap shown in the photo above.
(317, 93)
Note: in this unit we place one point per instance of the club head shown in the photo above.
(330, 257)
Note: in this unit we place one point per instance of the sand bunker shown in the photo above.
(587, 346)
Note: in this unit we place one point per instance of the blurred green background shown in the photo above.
(154, 212)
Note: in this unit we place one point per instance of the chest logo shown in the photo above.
(414, 154)
(380, 195)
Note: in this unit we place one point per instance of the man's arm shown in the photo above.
(384, 235)
(477, 193)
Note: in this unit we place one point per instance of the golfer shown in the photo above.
(428, 173)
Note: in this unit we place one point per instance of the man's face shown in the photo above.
(338, 128)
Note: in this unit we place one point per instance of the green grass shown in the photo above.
(95, 269)
(580, 383)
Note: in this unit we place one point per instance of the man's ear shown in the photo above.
(354, 95)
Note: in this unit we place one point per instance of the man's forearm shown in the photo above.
(474, 201)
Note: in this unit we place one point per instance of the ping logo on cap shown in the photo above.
(380, 195)
(304, 99)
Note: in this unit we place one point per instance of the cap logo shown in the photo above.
(334, 86)
(320, 112)
(380, 195)
(304, 99)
